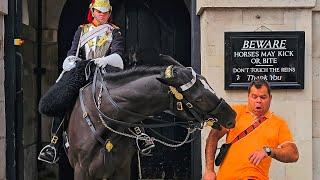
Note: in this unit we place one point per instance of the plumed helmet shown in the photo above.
(101, 5)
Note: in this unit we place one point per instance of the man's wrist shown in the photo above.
(267, 150)
(210, 169)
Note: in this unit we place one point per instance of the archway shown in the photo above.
(163, 25)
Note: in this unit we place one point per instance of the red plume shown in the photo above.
(89, 16)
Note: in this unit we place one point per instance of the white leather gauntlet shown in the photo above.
(114, 60)
(70, 62)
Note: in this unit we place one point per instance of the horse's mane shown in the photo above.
(149, 62)
(134, 72)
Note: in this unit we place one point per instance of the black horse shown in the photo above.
(101, 146)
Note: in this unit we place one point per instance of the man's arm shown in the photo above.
(117, 43)
(210, 151)
(286, 153)
(75, 42)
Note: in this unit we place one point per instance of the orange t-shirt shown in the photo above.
(272, 132)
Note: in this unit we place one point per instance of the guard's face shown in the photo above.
(101, 17)
(259, 100)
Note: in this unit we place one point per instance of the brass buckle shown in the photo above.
(137, 130)
(179, 106)
(54, 139)
(211, 121)
(85, 114)
(189, 105)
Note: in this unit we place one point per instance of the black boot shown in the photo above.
(50, 153)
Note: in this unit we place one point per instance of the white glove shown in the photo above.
(114, 60)
(70, 62)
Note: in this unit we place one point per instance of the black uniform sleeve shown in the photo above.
(75, 42)
(117, 44)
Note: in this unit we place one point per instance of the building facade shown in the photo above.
(299, 107)
(3, 12)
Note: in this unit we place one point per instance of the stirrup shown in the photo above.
(43, 155)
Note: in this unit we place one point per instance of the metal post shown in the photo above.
(39, 71)
(10, 91)
(196, 65)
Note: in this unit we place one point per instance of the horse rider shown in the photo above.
(99, 40)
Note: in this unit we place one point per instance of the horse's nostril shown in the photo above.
(230, 124)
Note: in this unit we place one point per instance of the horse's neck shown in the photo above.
(145, 95)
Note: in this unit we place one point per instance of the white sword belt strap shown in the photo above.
(94, 33)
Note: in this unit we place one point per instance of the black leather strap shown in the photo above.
(123, 123)
(87, 118)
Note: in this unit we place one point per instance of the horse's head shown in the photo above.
(195, 99)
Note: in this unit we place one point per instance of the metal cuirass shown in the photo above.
(98, 45)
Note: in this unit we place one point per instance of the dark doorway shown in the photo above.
(162, 25)
(73, 14)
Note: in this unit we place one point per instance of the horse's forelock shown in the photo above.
(182, 75)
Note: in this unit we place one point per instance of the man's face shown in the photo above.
(101, 17)
(259, 100)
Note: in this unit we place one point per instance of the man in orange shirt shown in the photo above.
(250, 157)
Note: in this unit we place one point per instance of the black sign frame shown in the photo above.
(296, 49)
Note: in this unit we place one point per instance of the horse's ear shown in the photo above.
(163, 80)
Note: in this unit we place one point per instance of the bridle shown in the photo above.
(183, 102)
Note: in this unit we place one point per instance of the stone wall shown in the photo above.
(50, 18)
(296, 106)
(2, 104)
(3, 11)
(51, 15)
(316, 90)
(29, 53)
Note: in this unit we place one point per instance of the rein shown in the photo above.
(141, 116)
(103, 117)
(108, 144)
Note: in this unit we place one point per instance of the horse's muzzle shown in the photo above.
(224, 114)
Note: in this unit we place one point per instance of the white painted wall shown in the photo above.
(3, 11)
(299, 107)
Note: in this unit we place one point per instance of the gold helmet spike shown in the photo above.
(101, 5)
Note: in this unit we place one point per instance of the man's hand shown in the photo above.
(256, 157)
(209, 175)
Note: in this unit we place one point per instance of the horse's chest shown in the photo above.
(105, 164)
